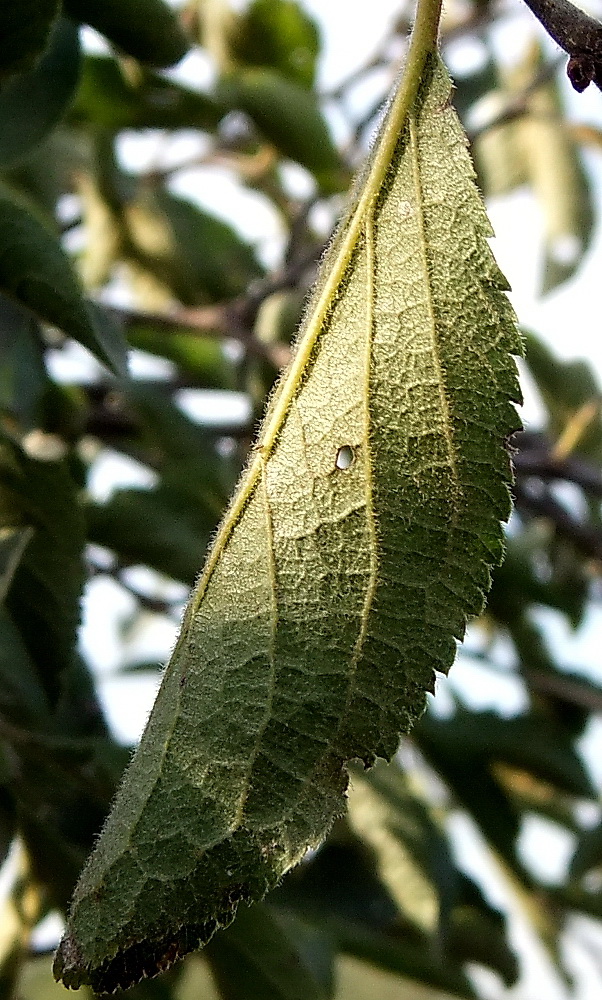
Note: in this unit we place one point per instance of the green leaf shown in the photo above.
(255, 958)
(23, 377)
(530, 742)
(22, 698)
(161, 528)
(415, 862)
(278, 34)
(200, 257)
(201, 358)
(106, 97)
(566, 387)
(44, 596)
(360, 539)
(31, 104)
(588, 852)
(388, 818)
(537, 148)
(24, 30)
(288, 116)
(35, 271)
(13, 542)
(47, 173)
(559, 181)
(146, 29)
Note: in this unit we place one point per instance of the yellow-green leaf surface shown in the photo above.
(359, 541)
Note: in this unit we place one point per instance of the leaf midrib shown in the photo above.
(349, 233)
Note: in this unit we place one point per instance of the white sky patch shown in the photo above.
(215, 406)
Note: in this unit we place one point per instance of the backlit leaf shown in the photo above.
(287, 115)
(360, 539)
(107, 97)
(278, 33)
(199, 256)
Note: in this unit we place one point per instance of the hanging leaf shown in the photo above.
(566, 387)
(559, 182)
(36, 272)
(279, 34)
(43, 598)
(31, 104)
(361, 537)
(288, 115)
(13, 542)
(107, 97)
(254, 959)
(199, 256)
(145, 29)
(23, 375)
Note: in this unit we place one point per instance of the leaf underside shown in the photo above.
(360, 540)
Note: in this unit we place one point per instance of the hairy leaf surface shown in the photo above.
(359, 541)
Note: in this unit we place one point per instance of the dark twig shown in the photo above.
(540, 503)
(578, 34)
(572, 689)
(234, 319)
(543, 464)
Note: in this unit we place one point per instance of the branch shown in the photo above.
(544, 465)
(586, 538)
(234, 319)
(578, 34)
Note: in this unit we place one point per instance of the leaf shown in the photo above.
(538, 148)
(391, 831)
(23, 375)
(13, 542)
(278, 34)
(35, 271)
(529, 741)
(360, 538)
(47, 173)
(159, 528)
(565, 387)
(588, 852)
(22, 698)
(44, 596)
(288, 116)
(24, 30)
(108, 98)
(254, 958)
(145, 29)
(200, 257)
(559, 182)
(32, 104)
(201, 358)
(361, 981)
(415, 862)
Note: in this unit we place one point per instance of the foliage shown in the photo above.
(387, 891)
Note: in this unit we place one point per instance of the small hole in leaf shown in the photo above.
(345, 456)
